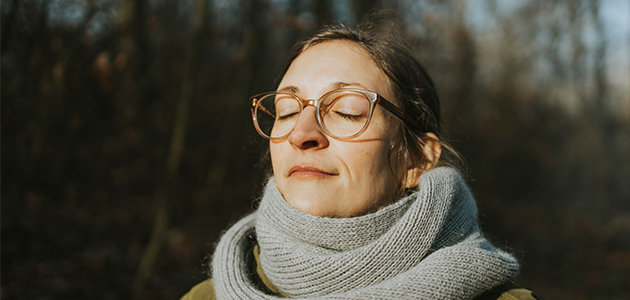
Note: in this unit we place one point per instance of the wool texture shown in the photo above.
(426, 245)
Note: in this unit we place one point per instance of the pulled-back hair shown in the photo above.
(413, 88)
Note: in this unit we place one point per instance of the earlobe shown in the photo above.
(413, 178)
(432, 150)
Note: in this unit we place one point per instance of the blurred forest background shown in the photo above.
(127, 143)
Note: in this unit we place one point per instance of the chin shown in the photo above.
(311, 207)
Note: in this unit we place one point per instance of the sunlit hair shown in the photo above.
(413, 88)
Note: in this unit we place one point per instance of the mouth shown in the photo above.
(308, 172)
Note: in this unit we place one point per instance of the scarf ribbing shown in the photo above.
(427, 245)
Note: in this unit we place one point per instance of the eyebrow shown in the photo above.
(337, 85)
(342, 84)
(291, 89)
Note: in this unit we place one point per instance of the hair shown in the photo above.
(413, 88)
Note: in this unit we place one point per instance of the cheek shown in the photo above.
(380, 160)
(376, 161)
(275, 150)
(379, 154)
(369, 163)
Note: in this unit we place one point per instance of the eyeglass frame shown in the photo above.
(373, 97)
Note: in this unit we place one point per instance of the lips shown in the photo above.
(308, 171)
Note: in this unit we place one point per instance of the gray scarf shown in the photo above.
(425, 246)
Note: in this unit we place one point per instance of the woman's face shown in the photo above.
(323, 176)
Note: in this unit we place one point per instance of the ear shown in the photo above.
(432, 151)
(413, 177)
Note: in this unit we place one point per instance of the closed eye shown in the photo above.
(287, 116)
(348, 116)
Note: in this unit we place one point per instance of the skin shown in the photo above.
(326, 177)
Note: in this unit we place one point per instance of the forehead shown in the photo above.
(323, 66)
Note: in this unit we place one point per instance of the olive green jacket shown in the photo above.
(205, 289)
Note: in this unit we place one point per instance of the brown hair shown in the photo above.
(413, 88)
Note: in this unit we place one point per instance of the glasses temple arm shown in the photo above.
(399, 113)
(262, 108)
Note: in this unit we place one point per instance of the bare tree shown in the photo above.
(600, 56)
(162, 194)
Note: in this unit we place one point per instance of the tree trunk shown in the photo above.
(177, 145)
(600, 57)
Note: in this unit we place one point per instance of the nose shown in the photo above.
(307, 134)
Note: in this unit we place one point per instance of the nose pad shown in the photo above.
(307, 133)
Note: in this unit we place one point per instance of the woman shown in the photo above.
(362, 203)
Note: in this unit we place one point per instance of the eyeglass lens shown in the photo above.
(343, 113)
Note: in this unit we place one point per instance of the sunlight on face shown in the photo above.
(323, 176)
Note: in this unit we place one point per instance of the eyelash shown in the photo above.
(348, 117)
(284, 117)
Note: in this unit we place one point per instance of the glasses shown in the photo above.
(342, 113)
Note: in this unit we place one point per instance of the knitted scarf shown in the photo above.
(427, 245)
